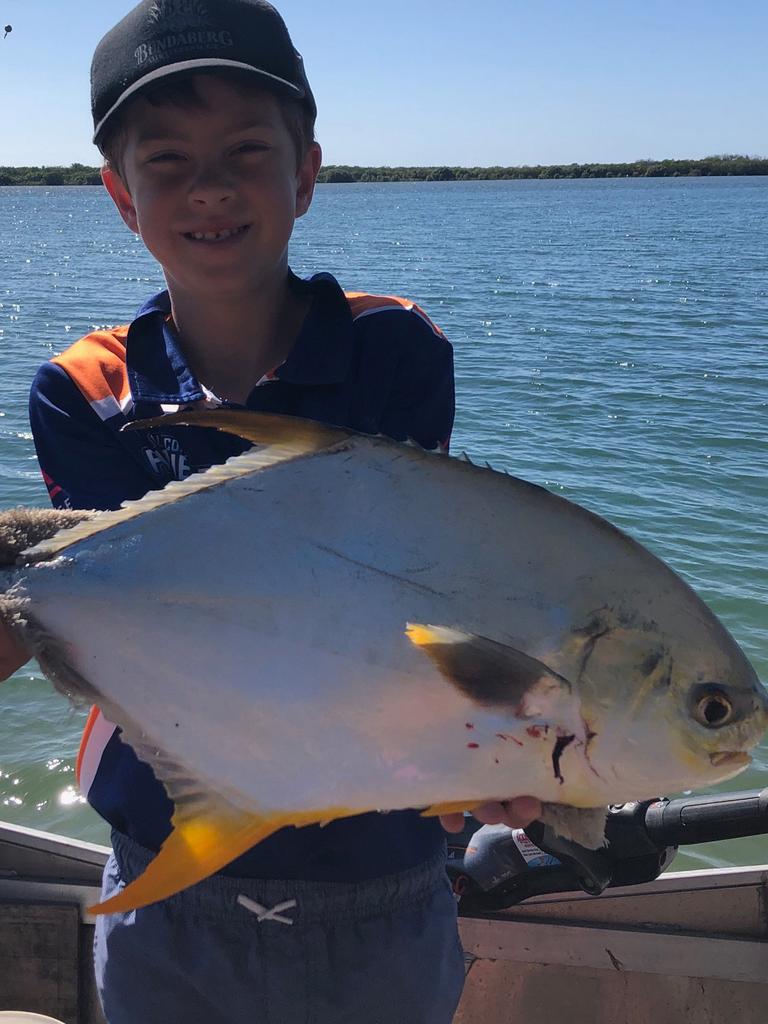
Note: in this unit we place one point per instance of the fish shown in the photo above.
(333, 623)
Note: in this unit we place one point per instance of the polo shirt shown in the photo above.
(376, 364)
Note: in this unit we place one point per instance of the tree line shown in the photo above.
(726, 164)
(713, 165)
(75, 174)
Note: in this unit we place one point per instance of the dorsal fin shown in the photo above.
(258, 427)
(284, 437)
(294, 439)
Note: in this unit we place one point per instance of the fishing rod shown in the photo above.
(492, 867)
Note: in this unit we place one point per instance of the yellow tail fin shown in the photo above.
(200, 846)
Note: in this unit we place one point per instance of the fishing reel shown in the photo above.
(492, 867)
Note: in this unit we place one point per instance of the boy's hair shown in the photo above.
(181, 91)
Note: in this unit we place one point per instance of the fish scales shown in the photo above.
(345, 623)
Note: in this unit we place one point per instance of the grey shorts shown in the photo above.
(246, 951)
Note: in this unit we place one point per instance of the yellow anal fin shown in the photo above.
(258, 427)
(200, 846)
(454, 807)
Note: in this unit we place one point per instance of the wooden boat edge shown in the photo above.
(687, 940)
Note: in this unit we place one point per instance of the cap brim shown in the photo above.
(201, 64)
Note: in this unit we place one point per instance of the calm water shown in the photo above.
(610, 343)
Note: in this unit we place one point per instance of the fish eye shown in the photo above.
(713, 708)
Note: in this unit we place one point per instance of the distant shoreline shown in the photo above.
(714, 166)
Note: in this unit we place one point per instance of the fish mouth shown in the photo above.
(730, 759)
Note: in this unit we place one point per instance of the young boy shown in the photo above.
(206, 121)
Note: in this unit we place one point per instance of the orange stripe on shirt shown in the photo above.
(91, 721)
(362, 304)
(99, 732)
(96, 364)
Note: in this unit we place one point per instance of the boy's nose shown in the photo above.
(211, 188)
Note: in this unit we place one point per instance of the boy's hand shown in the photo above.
(12, 654)
(516, 813)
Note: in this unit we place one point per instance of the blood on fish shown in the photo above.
(534, 731)
(473, 746)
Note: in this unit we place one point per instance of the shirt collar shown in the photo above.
(158, 371)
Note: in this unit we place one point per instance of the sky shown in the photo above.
(454, 82)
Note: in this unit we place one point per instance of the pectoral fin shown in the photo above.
(489, 673)
(201, 845)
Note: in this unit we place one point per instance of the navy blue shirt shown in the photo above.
(375, 364)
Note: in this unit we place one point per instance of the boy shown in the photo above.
(206, 121)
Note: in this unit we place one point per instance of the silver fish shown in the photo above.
(336, 623)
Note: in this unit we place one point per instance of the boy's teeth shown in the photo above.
(215, 236)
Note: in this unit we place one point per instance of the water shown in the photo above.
(610, 343)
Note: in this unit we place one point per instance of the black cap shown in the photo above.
(168, 37)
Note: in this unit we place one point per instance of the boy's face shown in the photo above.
(214, 190)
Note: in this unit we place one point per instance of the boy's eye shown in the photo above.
(250, 147)
(160, 158)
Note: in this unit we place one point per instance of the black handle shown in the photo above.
(707, 819)
(642, 839)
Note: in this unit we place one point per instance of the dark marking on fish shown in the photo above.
(623, 618)
(561, 743)
(379, 572)
(596, 624)
(505, 736)
(651, 662)
(589, 649)
(469, 725)
(596, 628)
(660, 663)
(489, 673)
(589, 735)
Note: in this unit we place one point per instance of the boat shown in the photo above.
(689, 946)
(46, 934)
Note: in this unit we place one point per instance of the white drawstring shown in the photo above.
(263, 914)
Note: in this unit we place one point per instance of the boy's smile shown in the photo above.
(217, 236)
(214, 190)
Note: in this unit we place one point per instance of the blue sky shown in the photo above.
(472, 82)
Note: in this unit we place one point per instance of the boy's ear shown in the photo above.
(306, 178)
(121, 197)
